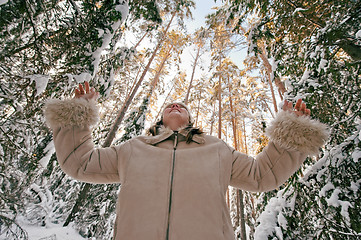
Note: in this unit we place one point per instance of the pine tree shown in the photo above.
(317, 49)
(47, 47)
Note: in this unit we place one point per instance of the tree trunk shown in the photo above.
(245, 137)
(269, 73)
(83, 193)
(141, 39)
(212, 120)
(240, 207)
(192, 76)
(198, 108)
(159, 70)
(126, 104)
(281, 87)
(220, 106)
(243, 220)
(233, 117)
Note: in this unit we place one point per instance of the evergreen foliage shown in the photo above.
(46, 47)
(316, 50)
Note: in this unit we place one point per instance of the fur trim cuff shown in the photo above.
(71, 112)
(299, 133)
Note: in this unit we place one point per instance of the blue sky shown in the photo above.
(202, 9)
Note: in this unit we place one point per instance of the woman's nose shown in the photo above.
(175, 106)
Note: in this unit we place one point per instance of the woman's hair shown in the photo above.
(155, 130)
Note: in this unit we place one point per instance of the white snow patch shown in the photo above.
(3, 2)
(279, 233)
(356, 155)
(335, 202)
(100, 32)
(123, 9)
(282, 220)
(327, 187)
(50, 149)
(355, 186)
(271, 217)
(358, 34)
(41, 81)
(323, 64)
(102, 210)
(305, 76)
(52, 231)
(298, 10)
(107, 36)
(82, 77)
(70, 78)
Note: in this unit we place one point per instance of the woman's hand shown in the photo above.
(300, 108)
(88, 93)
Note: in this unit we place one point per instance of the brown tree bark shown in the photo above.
(240, 205)
(127, 103)
(159, 71)
(269, 72)
(192, 76)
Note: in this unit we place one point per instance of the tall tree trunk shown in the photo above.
(86, 187)
(159, 71)
(192, 76)
(198, 108)
(280, 85)
(245, 137)
(233, 117)
(240, 205)
(220, 106)
(134, 84)
(243, 220)
(269, 73)
(141, 39)
(212, 119)
(126, 104)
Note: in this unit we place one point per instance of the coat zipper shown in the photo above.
(171, 182)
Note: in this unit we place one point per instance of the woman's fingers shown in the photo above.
(299, 109)
(303, 108)
(86, 84)
(81, 89)
(286, 105)
(298, 105)
(77, 93)
(86, 92)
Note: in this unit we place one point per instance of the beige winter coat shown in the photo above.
(170, 189)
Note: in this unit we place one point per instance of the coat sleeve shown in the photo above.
(292, 139)
(71, 122)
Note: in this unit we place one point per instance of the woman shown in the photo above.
(174, 182)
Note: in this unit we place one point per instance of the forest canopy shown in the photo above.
(246, 58)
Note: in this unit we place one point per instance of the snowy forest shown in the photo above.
(234, 70)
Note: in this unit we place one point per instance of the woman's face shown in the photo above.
(174, 115)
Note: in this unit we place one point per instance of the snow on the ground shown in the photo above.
(52, 232)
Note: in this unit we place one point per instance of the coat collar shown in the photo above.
(165, 133)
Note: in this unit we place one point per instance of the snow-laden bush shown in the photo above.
(324, 204)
